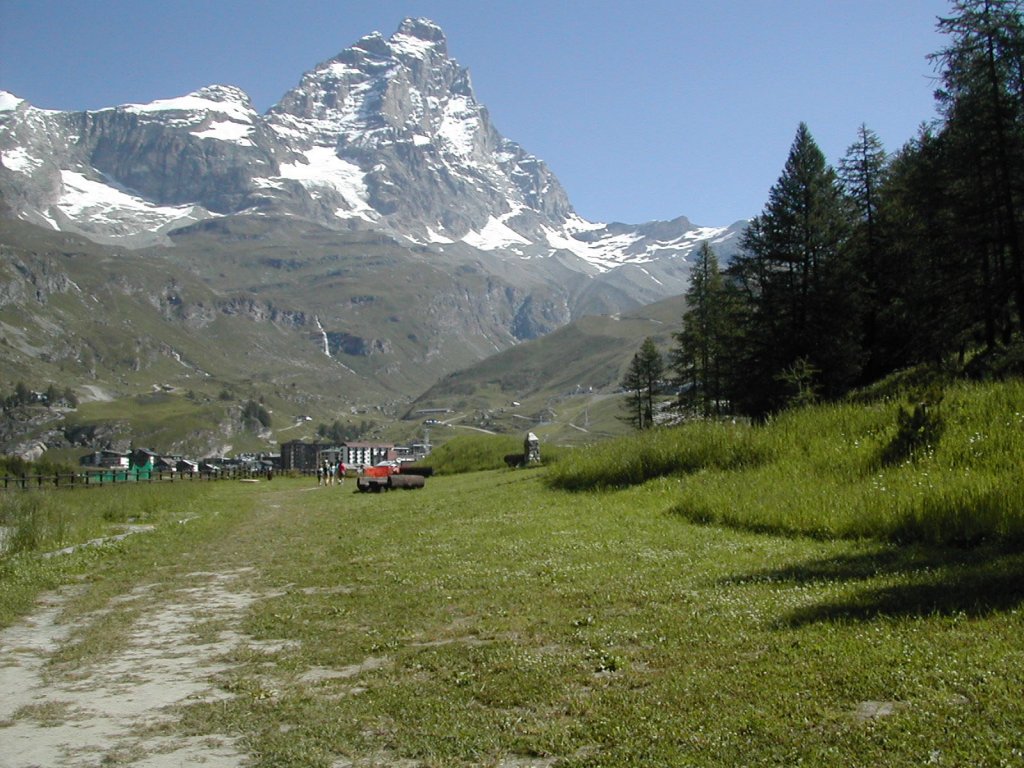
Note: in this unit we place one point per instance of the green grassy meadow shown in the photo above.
(491, 619)
(846, 470)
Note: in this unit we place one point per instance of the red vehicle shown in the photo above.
(384, 477)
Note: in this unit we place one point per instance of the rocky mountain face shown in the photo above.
(375, 205)
(387, 135)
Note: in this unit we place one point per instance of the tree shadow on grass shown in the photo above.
(918, 581)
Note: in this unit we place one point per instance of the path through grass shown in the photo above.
(488, 620)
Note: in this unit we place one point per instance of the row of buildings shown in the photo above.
(145, 458)
(295, 455)
(306, 456)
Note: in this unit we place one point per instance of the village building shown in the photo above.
(308, 456)
(165, 464)
(367, 454)
(107, 459)
(141, 457)
(296, 454)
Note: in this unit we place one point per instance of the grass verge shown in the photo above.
(489, 619)
(828, 470)
(476, 453)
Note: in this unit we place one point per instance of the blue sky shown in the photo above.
(644, 110)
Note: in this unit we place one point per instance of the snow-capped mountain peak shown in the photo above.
(9, 102)
(417, 38)
(405, 114)
(225, 99)
(221, 112)
(388, 135)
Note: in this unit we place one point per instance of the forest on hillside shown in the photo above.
(885, 262)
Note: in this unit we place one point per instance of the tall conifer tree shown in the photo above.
(699, 358)
(862, 176)
(802, 292)
(641, 382)
(982, 100)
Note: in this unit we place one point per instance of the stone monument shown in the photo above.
(531, 450)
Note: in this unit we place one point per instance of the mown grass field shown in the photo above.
(727, 595)
(491, 620)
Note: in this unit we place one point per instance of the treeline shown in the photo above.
(17, 467)
(884, 262)
(256, 413)
(24, 395)
(339, 433)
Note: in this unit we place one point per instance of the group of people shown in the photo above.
(327, 472)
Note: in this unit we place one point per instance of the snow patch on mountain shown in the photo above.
(324, 170)
(9, 102)
(609, 246)
(104, 205)
(604, 254)
(404, 44)
(494, 235)
(434, 237)
(226, 100)
(20, 161)
(238, 133)
(459, 127)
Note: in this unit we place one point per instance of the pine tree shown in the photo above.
(699, 358)
(930, 291)
(982, 101)
(862, 177)
(642, 382)
(794, 273)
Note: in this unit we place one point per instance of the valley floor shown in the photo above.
(488, 621)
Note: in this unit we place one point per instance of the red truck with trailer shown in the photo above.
(385, 476)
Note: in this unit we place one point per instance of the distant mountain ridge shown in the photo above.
(386, 135)
(368, 235)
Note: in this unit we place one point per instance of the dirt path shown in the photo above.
(118, 710)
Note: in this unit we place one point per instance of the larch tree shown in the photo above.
(982, 101)
(794, 271)
(926, 291)
(699, 359)
(642, 382)
(862, 173)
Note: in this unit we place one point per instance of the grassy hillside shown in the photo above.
(245, 305)
(848, 470)
(157, 357)
(564, 386)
